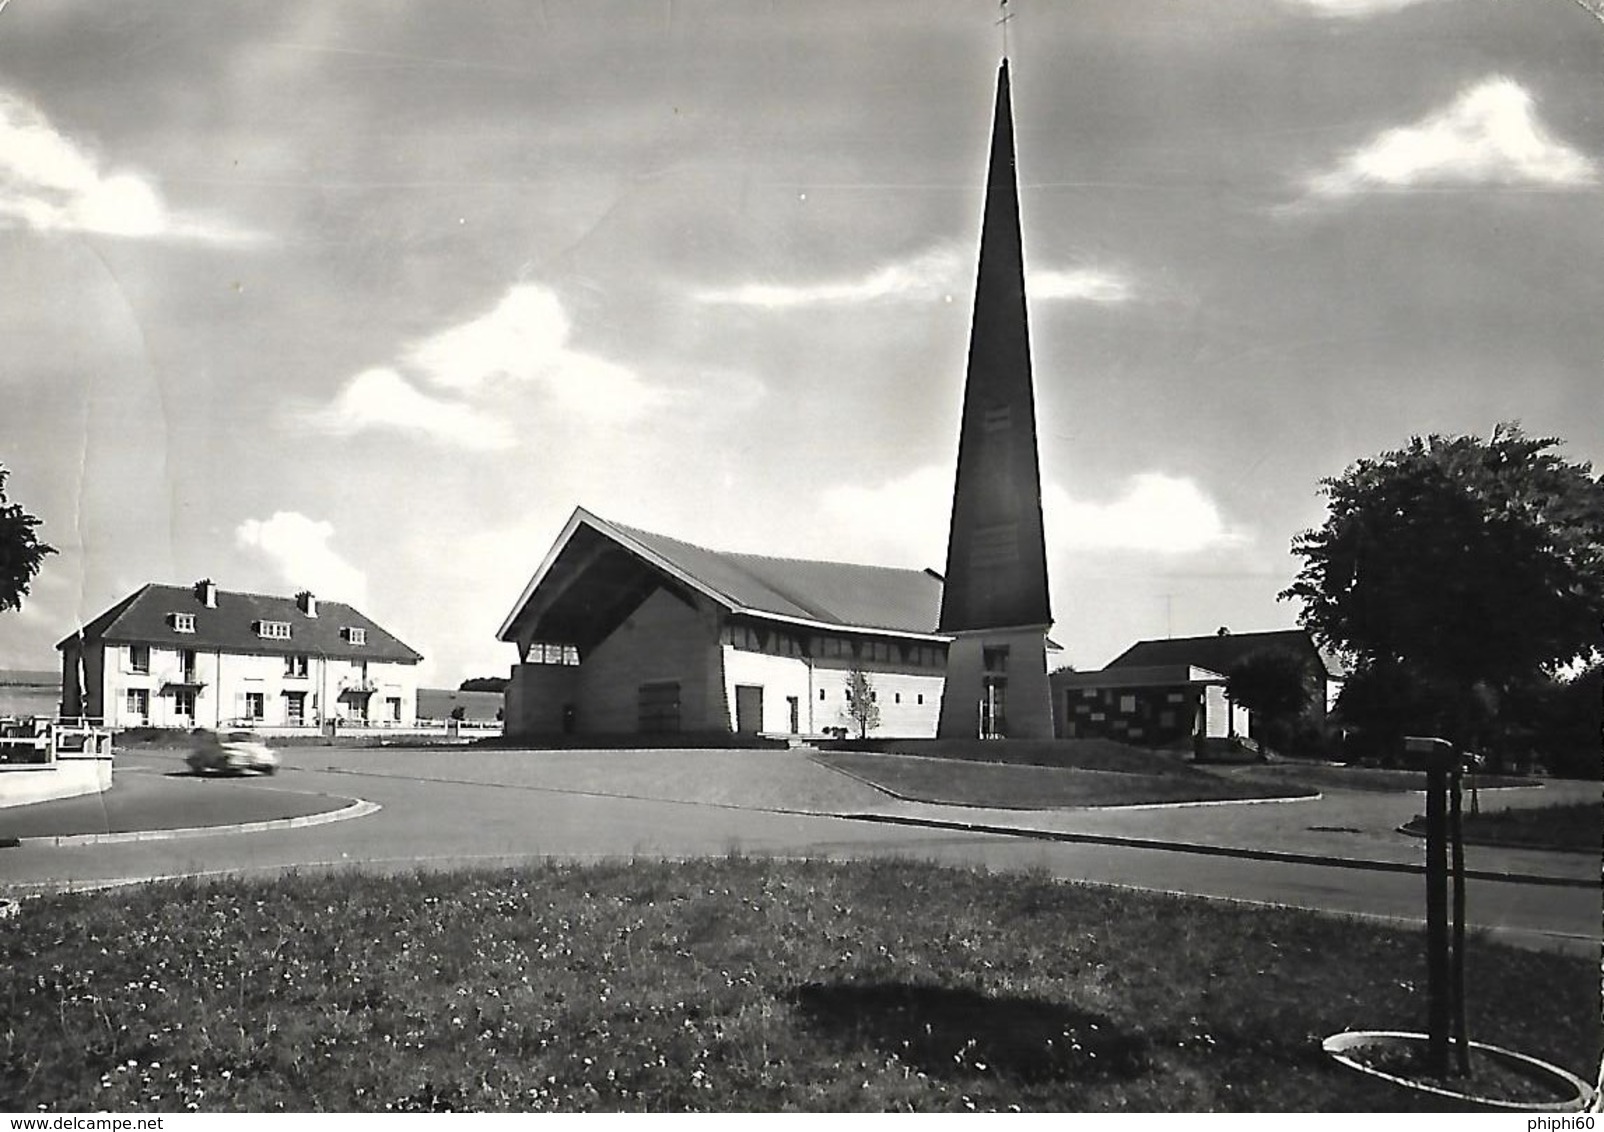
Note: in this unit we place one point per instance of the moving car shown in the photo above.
(231, 752)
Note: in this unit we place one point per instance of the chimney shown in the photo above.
(206, 593)
(307, 603)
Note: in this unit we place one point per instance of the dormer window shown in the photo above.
(273, 630)
(182, 622)
(354, 635)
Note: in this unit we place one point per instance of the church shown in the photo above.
(624, 631)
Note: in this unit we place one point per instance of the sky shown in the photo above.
(366, 296)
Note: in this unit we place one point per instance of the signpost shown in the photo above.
(1445, 856)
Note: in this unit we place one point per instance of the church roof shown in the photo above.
(597, 568)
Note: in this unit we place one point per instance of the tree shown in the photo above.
(862, 709)
(21, 552)
(1276, 685)
(483, 684)
(1457, 566)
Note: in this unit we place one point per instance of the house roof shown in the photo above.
(1220, 653)
(144, 617)
(1138, 676)
(596, 569)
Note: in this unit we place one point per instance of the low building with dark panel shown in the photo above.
(1163, 705)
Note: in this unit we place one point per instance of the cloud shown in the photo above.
(382, 398)
(522, 340)
(49, 183)
(525, 339)
(298, 548)
(1154, 513)
(1086, 283)
(1353, 9)
(903, 520)
(1489, 135)
(931, 275)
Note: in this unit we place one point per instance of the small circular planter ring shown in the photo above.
(1342, 1046)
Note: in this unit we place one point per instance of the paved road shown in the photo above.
(443, 808)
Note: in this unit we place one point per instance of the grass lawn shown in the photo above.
(1322, 776)
(1026, 787)
(1575, 827)
(1079, 754)
(740, 984)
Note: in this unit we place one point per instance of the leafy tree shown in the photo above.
(1456, 569)
(1275, 684)
(483, 684)
(862, 709)
(21, 552)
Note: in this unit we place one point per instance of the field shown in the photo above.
(25, 692)
(739, 984)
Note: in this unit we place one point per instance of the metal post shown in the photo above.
(1437, 991)
(1456, 844)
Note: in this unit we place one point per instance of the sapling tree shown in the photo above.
(862, 709)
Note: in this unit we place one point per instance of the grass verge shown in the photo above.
(1023, 787)
(1077, 754)
(1573, 827)
(1381, 780)
(741, 984)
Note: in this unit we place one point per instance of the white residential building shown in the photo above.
(184, 657)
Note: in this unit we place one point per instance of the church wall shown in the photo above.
(663, 642)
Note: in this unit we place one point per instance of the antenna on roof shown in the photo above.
(1002, 7)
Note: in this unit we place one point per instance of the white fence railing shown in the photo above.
(30, 743)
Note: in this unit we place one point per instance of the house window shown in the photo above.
(393, 703)
(255, 705)
(821, 693)
(354, 635)
(542, 652)
(295, 665)
(995, 659)
(295, 708)
(184, 703)
(138, 703)
(921, 699)
(186, 665)
(273, 630)
(139, 658)
(898, 698)
(183, 622)
(1127, 704)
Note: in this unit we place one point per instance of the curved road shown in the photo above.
(452, 807)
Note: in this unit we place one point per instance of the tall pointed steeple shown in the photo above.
(995, 595)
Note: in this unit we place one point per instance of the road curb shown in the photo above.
(1199, 849)
(358, 808)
